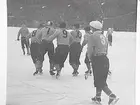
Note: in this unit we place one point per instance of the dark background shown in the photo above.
(119, 14)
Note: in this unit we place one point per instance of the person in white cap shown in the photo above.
(97, 53)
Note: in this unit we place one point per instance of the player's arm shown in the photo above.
(91, 47)
(28, 31)
(52, 37)
(19, 33)
(70, 39)
(29, 35)
(85, 41)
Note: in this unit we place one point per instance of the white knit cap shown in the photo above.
(96, 24)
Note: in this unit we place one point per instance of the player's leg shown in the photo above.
(42, 50)
(74, 56)
(78, 54)
(57, 60)
(27, 46)
(96, 75)
(64, 50)
(33, 50)
(112, 97)
(22, 45)
(88, 65)
(51, 57)
(61, 55)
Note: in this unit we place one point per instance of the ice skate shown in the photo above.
(113, 99)
(88, 73)
(40, 71)
(51, 73)
(23, 52)
(58, 74)
(35, 73)
(96, 100)
(75, 73)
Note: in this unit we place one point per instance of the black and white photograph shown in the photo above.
(71, 52)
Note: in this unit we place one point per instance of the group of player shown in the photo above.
(70, 43)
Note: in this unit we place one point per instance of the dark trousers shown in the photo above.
(74, 54)
(100, 67)
(24, 42)
(47, 47)
(86, 59)
(61, 53)
(35, 52)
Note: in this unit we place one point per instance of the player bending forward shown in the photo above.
(75, 49)
(97, 53)
(36, 54)
(85, 41)
(62, 49)
(48, 46)
(24, 32)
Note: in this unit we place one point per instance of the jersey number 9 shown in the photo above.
(65, 34)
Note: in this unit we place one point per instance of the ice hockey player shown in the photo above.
(36, 54)
(109, 36)
(97, 53)
(64, 39)
(75, 49)
(48, 46)
(85, 41)
(24, 32)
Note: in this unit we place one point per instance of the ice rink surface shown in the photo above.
(25, 89)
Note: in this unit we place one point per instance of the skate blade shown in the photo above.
(75, 75)
(115, 101)
(96, 103)
(34, 74)
(57, 76)
(86, 76)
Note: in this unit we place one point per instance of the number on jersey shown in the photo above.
(103, 40)
(34, 33)
(65, 34)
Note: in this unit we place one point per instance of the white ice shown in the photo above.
(25, 89)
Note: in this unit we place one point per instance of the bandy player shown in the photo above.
(85, 41)
(36, 54)
(97, 53)
(75, 49)
(64, 39)
(24, 32)
(48, 46)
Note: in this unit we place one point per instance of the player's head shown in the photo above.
(49, 23)
(76, 26)
(87, 29)
(62, 25)
(110, 30)
(41, 25)
(23, 25)
(96, 25)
